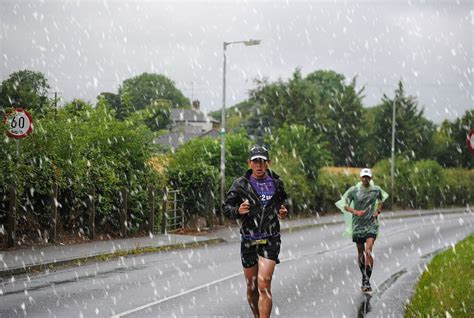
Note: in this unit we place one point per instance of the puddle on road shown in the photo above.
(364, 306)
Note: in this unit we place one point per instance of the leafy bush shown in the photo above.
(331, 187)
(426, 180)
(296, 182)
(404, 193)
(195, 169)
(80, 147)
(458, 188)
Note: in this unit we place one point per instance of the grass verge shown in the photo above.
(446, 289)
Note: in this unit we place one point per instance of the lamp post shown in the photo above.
(222, 132)
(392, 161)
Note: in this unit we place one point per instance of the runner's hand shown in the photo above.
(282, 212)
(359, 212)
(376, 213)
(244, 208)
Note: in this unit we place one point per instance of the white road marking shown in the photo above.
(174, 296)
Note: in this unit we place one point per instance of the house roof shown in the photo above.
(190, 115)
(174, 140)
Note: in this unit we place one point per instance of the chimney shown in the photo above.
(196, 104)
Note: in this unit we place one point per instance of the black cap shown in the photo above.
(259, 152)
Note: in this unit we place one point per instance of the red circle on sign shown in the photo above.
(19, 123)
(470, 141)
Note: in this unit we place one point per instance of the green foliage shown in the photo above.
(308, 149)
(403, 192)
(413, 132)
(321, 102)
(146, 88)
(193, 170)
(342, 106)
(235, 115)
(156, 116)
(237, 149)
(449, 142)
(195, 167)
(298, 154)
(458, 188)
(196, 181)
(427, 180)
(81, 147)
(113, 101)
(153, 94)
(295, 102)
(445, 288)
(331, 186)
(296, 183)
(425, 184)
(24, 89)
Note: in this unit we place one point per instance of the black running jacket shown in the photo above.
(260, 221)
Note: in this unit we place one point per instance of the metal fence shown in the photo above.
(173, 212)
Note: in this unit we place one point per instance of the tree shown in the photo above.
(114, 102)
(143, 89)
(157, 116)
(342, 108)
(322, 102)
(292, 102)
(24, 89)
(80, 148)
(303, 144)
(413, 131)
(449, 142)
(195, 169)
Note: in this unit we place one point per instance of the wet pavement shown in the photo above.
(19, 261)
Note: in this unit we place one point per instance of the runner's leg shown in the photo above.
(251, 274)
(361, 258)
(369, 256)
(266, 268)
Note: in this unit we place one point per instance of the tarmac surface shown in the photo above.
(24, 260)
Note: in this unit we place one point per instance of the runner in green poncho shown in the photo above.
(364, 201)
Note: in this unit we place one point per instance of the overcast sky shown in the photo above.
(90, 46)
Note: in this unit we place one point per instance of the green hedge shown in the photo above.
(78, 148)
(418, 185)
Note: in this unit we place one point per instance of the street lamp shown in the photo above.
(222, 132)
(392, 162)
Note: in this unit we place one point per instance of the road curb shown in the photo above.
(101, 257)
(384, 217)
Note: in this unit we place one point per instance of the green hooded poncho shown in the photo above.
(361, 198)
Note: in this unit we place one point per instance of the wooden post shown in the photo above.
(164, 210)
(91, 210)
(12, 217)
(151, 215)
(124, 221)
(54, 210)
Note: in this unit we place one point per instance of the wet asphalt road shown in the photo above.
(318, 277)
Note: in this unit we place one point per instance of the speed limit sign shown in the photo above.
(19, 123)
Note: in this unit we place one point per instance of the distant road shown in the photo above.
(318, 277)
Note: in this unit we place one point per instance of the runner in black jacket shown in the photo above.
(258, 200)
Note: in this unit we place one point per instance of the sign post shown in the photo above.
(19, 124)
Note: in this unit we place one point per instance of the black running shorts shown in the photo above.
(363, 239)
(249, 251)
